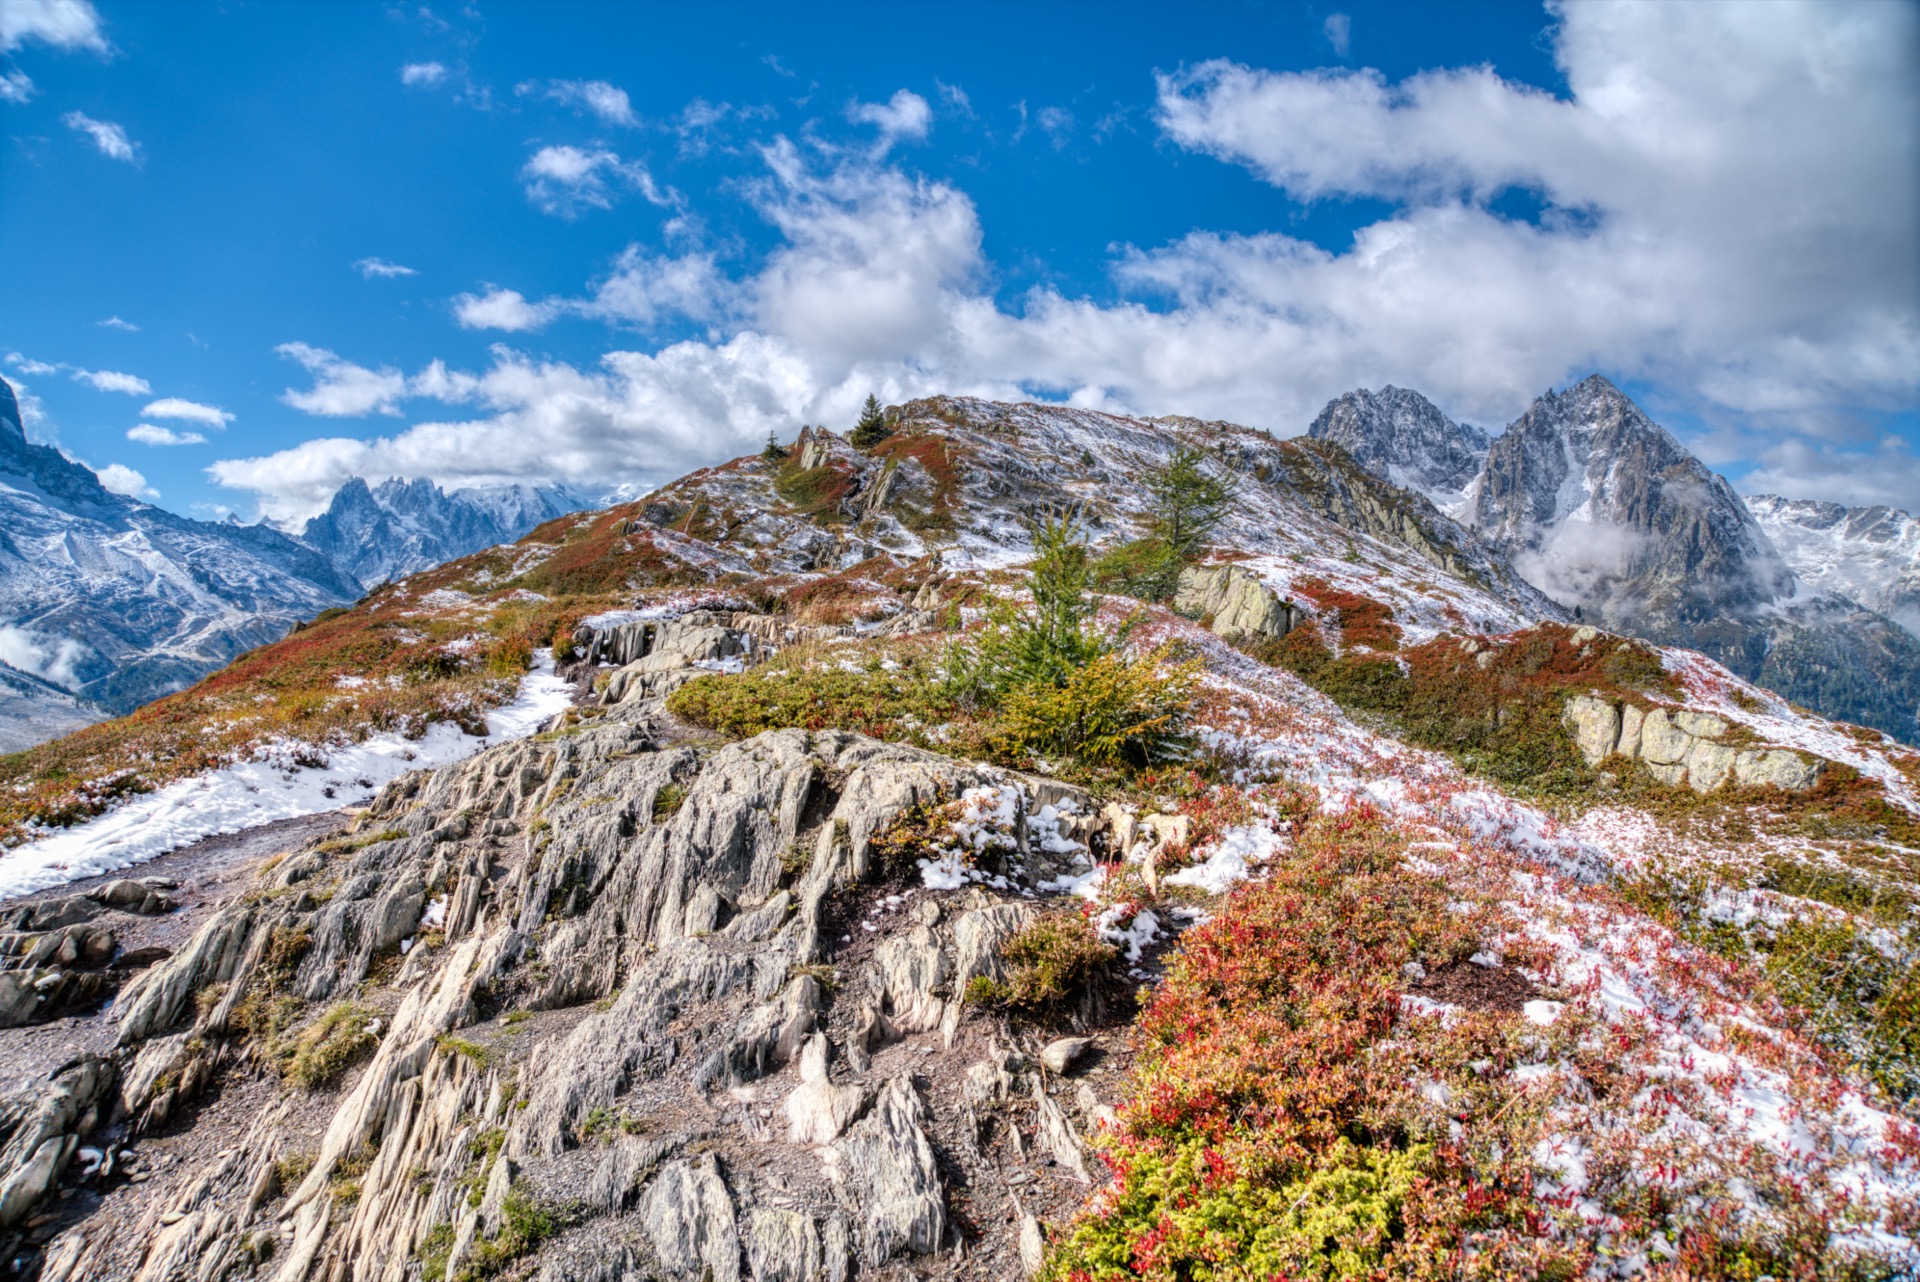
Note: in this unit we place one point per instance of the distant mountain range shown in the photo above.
(1870, 554)
(107, 602)
(117, 601)
(384, 532)
(1601, 508)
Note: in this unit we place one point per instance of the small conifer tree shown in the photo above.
(872, 427)
(775, 452)
(1188, 505)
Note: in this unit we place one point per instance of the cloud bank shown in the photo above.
(1647, 260)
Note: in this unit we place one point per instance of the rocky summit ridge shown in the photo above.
(1601, 508)
(777, 954)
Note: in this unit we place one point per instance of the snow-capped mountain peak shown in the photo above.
(1871, 554)
(1403, 436)
(378, 533)
(118, 601)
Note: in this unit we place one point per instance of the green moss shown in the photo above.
(667, 802)
(480, 1055)
(346, 845)
(900, 704)
(525, 1222)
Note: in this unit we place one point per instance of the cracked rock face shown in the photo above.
(1682, 747)
(1235, 600)
(625, 1027)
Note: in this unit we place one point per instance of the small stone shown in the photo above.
(1059, 1055)
(1033, 1245)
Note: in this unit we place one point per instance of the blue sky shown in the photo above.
(599, 245)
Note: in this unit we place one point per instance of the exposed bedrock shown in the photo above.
(630, 1024)
(1234, 601)
(1683, 747)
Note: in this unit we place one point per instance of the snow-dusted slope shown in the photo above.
(1870, 554)
(34, 711)
(380, 533)
(118, 601)
(297, 779)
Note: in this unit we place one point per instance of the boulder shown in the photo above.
(891, 1170)
(1238, 603)
(819, 1112)
(1663, 743)
(1595, 725)
(782, 1246)
(911, 968)
(1059, 1055)
(1709, 762)
(1777, 768)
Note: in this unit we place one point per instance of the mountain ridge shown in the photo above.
(1603, 509)
(399, 527)
(143, 601)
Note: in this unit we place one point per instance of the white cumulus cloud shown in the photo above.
(31, 367)
(107, 380)
(114, 322)
(15, 86)
(599, 98)
(426, 74)
(65, 24)
(188, 411)
(121, 479)
(340, 388)
(149, 434)
(110, 138)
(905, 115)
(380, 267)
(641, 290)
(565, 180)
(505, 309)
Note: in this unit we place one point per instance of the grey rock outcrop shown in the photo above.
(890, 1164)
(690, 1219)
(38, 1135)
(672, 964)
(1238, 605)
(1680, 746)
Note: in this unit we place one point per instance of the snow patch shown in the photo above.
(251, 793)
